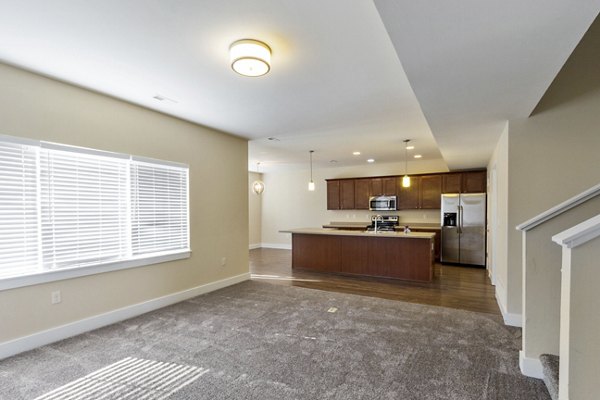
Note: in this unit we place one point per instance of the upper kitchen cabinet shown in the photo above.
(409, 197)
(452, 183)
(474, 182)
(383, 186)
(347, 194)
(464, 182)
(431, 191)
(333, 195)
(362, 191)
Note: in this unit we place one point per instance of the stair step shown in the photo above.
(550, 365)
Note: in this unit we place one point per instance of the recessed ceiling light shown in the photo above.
(333, 161)
(273, 138)
(410, 148)
(418, 156)
(371, 160)
(356, 153)
(160, 97)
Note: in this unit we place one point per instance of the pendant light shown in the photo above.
(311, 184)
(406, 178)
(258, 186)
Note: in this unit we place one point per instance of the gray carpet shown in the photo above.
(551, 367)
(264, 341)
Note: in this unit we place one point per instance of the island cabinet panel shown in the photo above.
(452, 183)
(322, 253)
(362, 191)
(347, 194)
(409, 197)
(333, 195)
(355, 256)
(388, 257)
(474, 182)
(431, 191)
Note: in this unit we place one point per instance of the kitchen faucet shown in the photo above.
(377, 218)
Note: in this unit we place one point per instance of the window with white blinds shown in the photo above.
(159, 207)
(65, 207)
(19, 214)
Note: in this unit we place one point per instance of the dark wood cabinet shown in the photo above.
(362, 191)
(409, 197)
(376, 187)
(424, 192)
(347, 194)
(474, 182)
(333, 195)
(431, 191)
(389, 186)
(383, 186)
(451, 183)
(437, 240)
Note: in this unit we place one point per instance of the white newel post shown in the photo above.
(580, 311)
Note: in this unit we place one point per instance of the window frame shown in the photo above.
(132, 261)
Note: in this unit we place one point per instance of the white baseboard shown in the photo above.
(511, 319)
(254, 246)
(283, 246)
(531, 367)
(48, 336)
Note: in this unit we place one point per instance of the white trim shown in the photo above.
(283, 246)
(579, 234)
(51, 335)
(76, 272)
(559, 209)
(254, 246)
(531, 367)
(510, 319)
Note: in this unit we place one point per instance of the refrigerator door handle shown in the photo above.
(459, 223)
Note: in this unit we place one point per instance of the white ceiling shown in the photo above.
(337, 82)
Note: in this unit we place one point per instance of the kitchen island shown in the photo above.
(398, 255)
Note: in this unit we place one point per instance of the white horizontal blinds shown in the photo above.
(19, 239)
(159, 204)
(83, 207)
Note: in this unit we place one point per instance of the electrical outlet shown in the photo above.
(223, 261)
(55, 297)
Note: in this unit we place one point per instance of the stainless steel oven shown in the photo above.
(382, 203)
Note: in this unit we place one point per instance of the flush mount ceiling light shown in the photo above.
(258, 186)
(356, 153)
(311, 184)
(418, 156)
(406, 178)
(371, 160)
(250, 57)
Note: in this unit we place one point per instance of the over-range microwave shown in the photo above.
(382, 203)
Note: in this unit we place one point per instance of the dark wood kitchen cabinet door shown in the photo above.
(452, 183)
(409, 198)
(431, 191)
(347, 194)
(474, 182)
(389, 186)
(333, 195)
(362, 191)
(376, 187)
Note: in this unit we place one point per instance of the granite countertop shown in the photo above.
(322, 231)
(364, 224)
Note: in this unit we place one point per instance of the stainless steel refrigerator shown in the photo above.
(463, 228)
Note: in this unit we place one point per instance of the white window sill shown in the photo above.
(76, 272)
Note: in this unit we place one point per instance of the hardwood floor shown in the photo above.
(455, 287)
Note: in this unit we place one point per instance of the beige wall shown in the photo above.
(254, 212)
(39, 108)
(553, 155)
(497, 224)
(287, 203)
